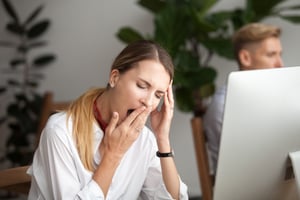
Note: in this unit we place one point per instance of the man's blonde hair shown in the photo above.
(253, 33)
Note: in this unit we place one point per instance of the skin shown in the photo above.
(262, 55)
(141, 89)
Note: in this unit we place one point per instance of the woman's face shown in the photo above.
(145, 84)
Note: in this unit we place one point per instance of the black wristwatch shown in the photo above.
(164, 155)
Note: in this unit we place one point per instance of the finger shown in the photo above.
(113, 122)
(134, 115)
(140, 121)
(170, 95)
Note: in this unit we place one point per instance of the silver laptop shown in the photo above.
(261, 125)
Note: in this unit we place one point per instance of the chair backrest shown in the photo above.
(205, 178)
(49, 107)
(16, 179)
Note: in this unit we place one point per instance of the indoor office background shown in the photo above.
(83, 37)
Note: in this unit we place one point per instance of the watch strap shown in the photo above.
(164, 155)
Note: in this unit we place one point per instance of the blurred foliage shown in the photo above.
(193, 33)
(24, 74)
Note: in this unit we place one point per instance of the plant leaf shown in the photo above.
(128, 35)
(291, 18)
(43, 60)
(15, 28)
(153, 6)
(10, 10)
(38, 29)
(18, 61)
(34, 14)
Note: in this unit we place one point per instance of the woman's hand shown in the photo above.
(118, 138)
(161, 119)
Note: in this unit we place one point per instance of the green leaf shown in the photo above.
(222, 46)
(38, 29)
(168, 29)
(202, 6)
(15, 28)
(18, 61)
(183, 99)
(291, 18)
(43, 60)
(10, 10)
(128, 35)
(34, 14)
(262, 9)
(152, 5)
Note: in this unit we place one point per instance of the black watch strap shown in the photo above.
(163, 155)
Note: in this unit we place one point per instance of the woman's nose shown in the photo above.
(148, 100)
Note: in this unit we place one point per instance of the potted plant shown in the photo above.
(24, 74)
(193, 34)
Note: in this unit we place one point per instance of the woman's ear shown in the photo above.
(245, 59)
(114, 77)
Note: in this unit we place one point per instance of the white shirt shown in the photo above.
(58, 173)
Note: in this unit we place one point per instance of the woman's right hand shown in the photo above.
(119, 137)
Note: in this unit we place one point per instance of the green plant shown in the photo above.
(24, 74)
(193, 34)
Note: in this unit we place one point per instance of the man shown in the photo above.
(256, 46)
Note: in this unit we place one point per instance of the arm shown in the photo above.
(161, 122)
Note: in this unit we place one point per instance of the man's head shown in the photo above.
(257, 46)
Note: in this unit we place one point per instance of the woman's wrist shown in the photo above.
(164, 146)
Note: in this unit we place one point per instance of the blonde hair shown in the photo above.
(81, 110)
(253, 33)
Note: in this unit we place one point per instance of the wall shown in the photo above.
(83, 37)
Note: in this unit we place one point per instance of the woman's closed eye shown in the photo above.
(159, 95)
(142, 86)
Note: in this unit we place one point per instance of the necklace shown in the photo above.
(98, 117)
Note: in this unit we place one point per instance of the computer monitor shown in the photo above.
(261, 125)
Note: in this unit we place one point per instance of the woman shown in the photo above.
(100, 147)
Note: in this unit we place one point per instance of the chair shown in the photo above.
(48, 108)
(205, 178)
(16, 179)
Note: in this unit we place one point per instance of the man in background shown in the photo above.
(256, 46)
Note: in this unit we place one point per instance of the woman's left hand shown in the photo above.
(161, 119)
